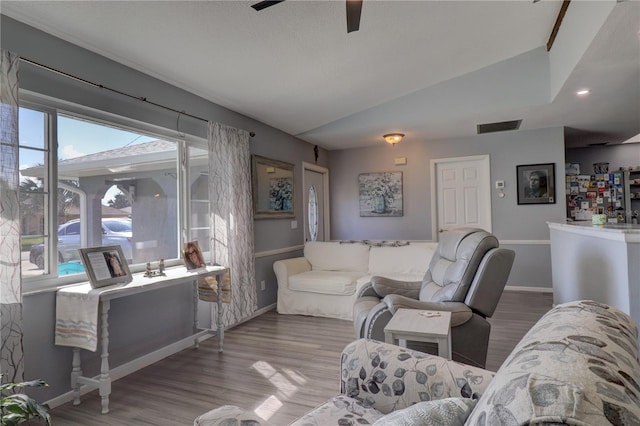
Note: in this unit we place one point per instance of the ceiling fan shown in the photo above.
(354, 8)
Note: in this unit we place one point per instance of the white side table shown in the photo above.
(418, 326)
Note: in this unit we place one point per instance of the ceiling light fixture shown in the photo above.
(393, 138)
(583, 92)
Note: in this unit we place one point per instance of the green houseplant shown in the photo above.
(16, 408)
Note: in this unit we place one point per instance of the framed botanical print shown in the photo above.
(380, 194)
(272, 188)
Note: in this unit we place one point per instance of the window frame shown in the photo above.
(50, 146)
(51, 281)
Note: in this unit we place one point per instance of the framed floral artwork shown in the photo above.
(380, 194)
(272, 188)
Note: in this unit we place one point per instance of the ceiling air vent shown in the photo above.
(498, 127)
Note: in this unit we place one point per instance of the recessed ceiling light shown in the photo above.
(583, 92)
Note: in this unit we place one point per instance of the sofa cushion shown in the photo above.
(441, 412)
(336, 256)
(412, 259)
(364, 279)
(389, 378)
(578, 365)
(340, 410)
(325, 282)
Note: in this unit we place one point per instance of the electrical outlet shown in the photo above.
(263, 286)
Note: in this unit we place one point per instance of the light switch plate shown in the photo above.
(294, 224)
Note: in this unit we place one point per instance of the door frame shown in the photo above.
(326, 210)
(486, 191)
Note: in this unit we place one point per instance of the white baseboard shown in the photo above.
(151, 358)
(275, 252)
(531, 289)
(135, 365)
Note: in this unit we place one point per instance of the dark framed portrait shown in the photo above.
(536, 183)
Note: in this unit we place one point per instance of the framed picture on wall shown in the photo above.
(272, 188)
(105, 265)
(380, 194)
(536, 183)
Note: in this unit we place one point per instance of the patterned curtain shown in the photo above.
(231, 218)
(11, 355)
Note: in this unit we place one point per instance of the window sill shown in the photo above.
(46, 284)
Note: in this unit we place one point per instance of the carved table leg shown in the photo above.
(105, 379)
(76, 372)
(219, 321)
(196, 324)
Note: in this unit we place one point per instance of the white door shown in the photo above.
(316, 202)
(461, 193)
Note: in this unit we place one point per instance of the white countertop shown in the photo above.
(615, 231)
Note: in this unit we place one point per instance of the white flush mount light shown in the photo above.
(583, 92)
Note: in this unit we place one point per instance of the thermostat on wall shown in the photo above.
(400, 161)
(499, 184)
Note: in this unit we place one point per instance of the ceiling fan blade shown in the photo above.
(354, 8)
(264, 4)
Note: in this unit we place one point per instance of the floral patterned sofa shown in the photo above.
(577, 366)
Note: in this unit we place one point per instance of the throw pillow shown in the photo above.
(441, 412)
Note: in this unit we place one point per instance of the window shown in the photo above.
(313, 213)
(199, 205)
(34, 130)
(114, 185)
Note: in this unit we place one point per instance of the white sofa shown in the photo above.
(326, 280)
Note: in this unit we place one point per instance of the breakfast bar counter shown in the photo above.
(598, 262)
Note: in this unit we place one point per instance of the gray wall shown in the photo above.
(627, 155)
(522, 228)
(165, 316)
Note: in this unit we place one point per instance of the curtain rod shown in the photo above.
(100, 86)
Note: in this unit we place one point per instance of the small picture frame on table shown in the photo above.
(192, 256)
(105, 265)
(536, 183)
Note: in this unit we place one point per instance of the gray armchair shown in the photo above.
(466, 276)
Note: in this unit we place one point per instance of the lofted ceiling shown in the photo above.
(429, 69)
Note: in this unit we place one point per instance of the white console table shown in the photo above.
(140, 284)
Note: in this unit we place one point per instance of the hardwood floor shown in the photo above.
(279, 365)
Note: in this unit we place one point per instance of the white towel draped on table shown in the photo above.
(77, 306)
(77, 316)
